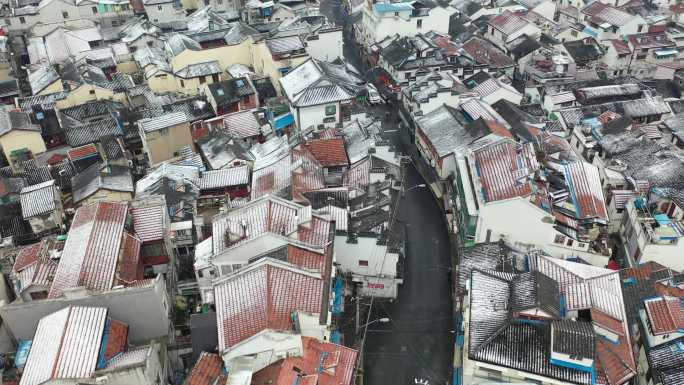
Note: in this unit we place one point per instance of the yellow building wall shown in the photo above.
(52, 88)
(193, 86)
(128, 67)
(89, 93)
(226, 56)
(264, 63)
(189, 5)
(162, 83)
(107, 195)
(18, 139)
(162, 144)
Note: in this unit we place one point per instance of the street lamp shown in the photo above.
(380, 320)
(422, 185)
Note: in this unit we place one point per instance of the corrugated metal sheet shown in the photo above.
(234, 176)
(265, 215)
(263, 296)
(131, 357)
(162, 121)
(148, 222)
(38, 199)
(80, 342)
(503, 168)
(586, 190)
(242, 124)
(563, 97)
(91, 251)
(66, 345)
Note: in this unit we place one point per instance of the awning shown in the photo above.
(283, 121)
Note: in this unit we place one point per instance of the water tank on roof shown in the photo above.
(560, 62)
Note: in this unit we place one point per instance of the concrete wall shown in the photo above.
(348, 255)
(161, 145)
(150, 373)
(226, 56)
(18, 139)
(125, 305)
(263, 63)
(107, 195)
(314, 115)
(194, 86)
(165, 12)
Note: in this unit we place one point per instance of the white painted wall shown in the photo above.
(379, 26)
(263, 349)
(164, 12)
(314, 115)
(348, 255)
(328, 45)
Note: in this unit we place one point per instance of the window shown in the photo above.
(574, 33)
(226, 269)
(407, 75)
(8, 21)
(641, 27)
(396, 14)
(200, 274)
(65, 15)
(159, 8)
(182, 84)
(94, 10)
(202, 79)
(92, 92)
(419, 23)
(236, 266)
(570, 242)
(363, 263)
(22, 20)
(215, 78)
(330, 110)
(641, 56)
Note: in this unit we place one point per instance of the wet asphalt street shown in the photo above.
(416, 346)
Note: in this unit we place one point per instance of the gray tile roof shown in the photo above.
(219, 150)
(41, 78)
(445, 132)
(99, 176)
(38, 199)
(162, 121)
(199, 69)
(283, 45)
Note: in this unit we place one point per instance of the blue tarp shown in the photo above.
(23, 347)
(336, 337)
(338, 290)
(662, 219)
(283, 121)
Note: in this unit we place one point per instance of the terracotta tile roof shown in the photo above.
(317, 232)
(207, 369)
(130, 269)
(620, 46)
(498, 129)
(329, 152)
(615, 361)
(484, 52)
(643, 271)
(503, 168)
(665, 314)
(508, 22)
(607, 322)
(304, 258)
(26, 256)
(586, 192)
(82, 152)
(91, 252)
(117, 339)
(148, 222)
(263, 296)
(322, 363)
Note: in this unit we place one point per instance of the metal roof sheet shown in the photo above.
(38, 199)
(503, 168)
(148, 222)
(228, 177)
(162, 121)
(242, 124)
(263, 296)
(91, 251)
(66, 345)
